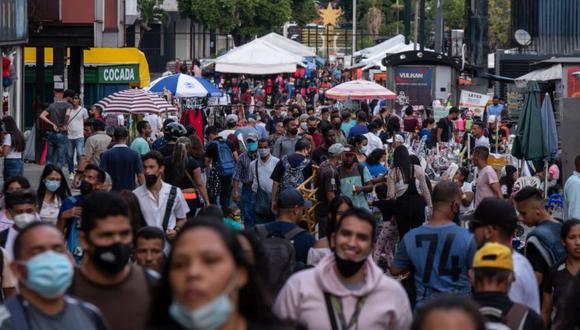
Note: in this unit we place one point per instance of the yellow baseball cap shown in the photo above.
(493, 255)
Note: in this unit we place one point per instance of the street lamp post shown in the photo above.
(353, 30)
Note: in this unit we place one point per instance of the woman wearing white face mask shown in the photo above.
(52, 190)
(209, 284)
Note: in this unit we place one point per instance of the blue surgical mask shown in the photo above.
(52, 185)
(364, 149)
(252, 146)
(211, 316)
(49, 274)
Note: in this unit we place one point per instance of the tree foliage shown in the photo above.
(245, 19)
(150, 11)
(499, 24)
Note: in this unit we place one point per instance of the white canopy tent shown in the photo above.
(258, 57)
(289, 45)
(546, 74)
(373, 56)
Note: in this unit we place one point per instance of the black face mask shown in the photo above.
(111, 258)
(293, 131)
(347, 268)
(311, 130)
(150, 180)
(85, 188)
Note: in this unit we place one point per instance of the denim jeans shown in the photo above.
(247, 206)
(12, 167)
(57, 148)
(75, 145)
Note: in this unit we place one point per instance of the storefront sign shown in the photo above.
(573, 82)
(515, 100)
(119, 74)
(413, 85)
(475, 102)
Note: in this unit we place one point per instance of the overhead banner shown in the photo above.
(475, 102)
(413, 86)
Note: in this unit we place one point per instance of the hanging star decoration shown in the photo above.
(330, 15)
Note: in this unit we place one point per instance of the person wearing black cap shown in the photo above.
(495, 220)
(171, 133)
(290, 211)
(122, 163)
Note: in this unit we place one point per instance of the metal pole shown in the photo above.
(439, 26)
(422, 24)
(407, 20)
(353, 30)
(416, 25)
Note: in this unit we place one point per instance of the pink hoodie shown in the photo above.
(302, 298)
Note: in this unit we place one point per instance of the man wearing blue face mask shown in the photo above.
(44, 273)
(244, 176)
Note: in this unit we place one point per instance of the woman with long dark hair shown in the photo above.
(183, 171)
(507, 181)
(407, 184)
(210, 284)
(52, 190)
(12, 147)
(558, 280)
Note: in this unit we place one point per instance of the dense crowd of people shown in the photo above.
(293, 211)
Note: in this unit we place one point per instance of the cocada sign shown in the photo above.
(119, 74)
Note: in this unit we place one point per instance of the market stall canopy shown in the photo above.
(258, 57)
(373, 56)
(135, 101)
(183, 85)
(359, 90)
(289, 45)
(546, 74)
(102, 57)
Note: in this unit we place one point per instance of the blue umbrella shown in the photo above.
(183, 85)
(549, 129)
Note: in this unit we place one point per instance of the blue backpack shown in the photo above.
(227, 164)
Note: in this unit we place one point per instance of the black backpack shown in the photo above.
(280, 255)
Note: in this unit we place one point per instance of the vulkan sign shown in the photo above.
(119, 74)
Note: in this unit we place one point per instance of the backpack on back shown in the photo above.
(227, 164)
(293, 176)
(280, 255)
(514, 319)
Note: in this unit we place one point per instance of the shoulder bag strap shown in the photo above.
(516, 316)
(330, 311)
(257, 175)
(293, 233)
(169, 207)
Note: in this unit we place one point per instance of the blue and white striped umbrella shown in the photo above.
(183, 85)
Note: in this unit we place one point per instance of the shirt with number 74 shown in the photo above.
(439, 257)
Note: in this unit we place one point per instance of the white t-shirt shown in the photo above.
(525, 288)
(12, 154)
(76, 120)
(155, 123)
